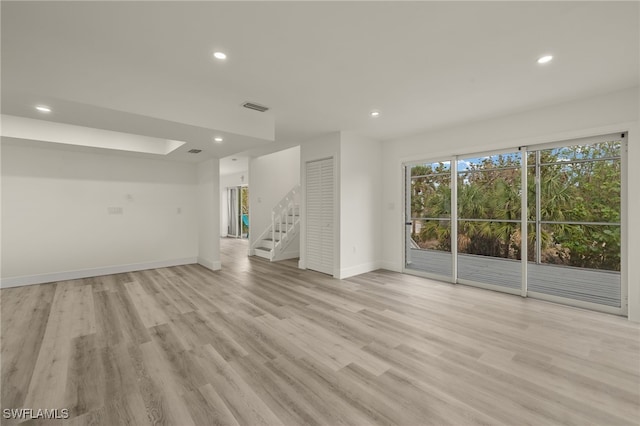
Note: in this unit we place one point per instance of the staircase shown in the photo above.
(281, 239)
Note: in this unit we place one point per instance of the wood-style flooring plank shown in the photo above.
(168, 408)
(238, 396)
(150, 311)
(25, 313)
(85, 376)
(49, 378)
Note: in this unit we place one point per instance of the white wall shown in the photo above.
(357, 198)
(55, 221)
(360, 203)
(598, 115)
(231, 179)
(209, 214)
(272, 177)
(633, 216)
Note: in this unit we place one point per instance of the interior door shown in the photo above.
(319, 213)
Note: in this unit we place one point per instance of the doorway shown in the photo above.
(238, 211)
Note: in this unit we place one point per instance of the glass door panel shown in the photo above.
(244, 208)
(578, 235)
(428, 222)
(489, 208)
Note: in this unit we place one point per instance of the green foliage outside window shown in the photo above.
(244, 194)
(577, 184)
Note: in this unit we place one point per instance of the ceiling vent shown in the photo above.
(195, 151)
(256, 107)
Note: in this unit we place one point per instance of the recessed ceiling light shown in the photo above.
(43, 108)
(545, 59)
(375, 113)
(217, 139)
(219, 55)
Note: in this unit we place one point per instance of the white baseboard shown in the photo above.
(213, 265)
(390, 266)
(302, 264)
(95, 272)
(358, 269)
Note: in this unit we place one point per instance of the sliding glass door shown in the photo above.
(576, 222)
(428, 221)
(489, 222)
(238, 211)
(464, 221)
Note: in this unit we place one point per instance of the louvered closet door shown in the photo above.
(319, 206)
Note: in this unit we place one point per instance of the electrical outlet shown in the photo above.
(179, 210)
(114, 210)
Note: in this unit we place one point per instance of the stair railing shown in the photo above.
(280, 216)
(278, 213)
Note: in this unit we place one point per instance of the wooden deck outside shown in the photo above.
(589, 285)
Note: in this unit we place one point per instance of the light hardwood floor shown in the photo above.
(268, 344)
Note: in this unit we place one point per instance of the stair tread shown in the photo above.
(263, 248)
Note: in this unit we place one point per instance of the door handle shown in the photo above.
(407, 223)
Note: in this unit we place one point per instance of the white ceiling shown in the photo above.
(234, 164)
(145, 68)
